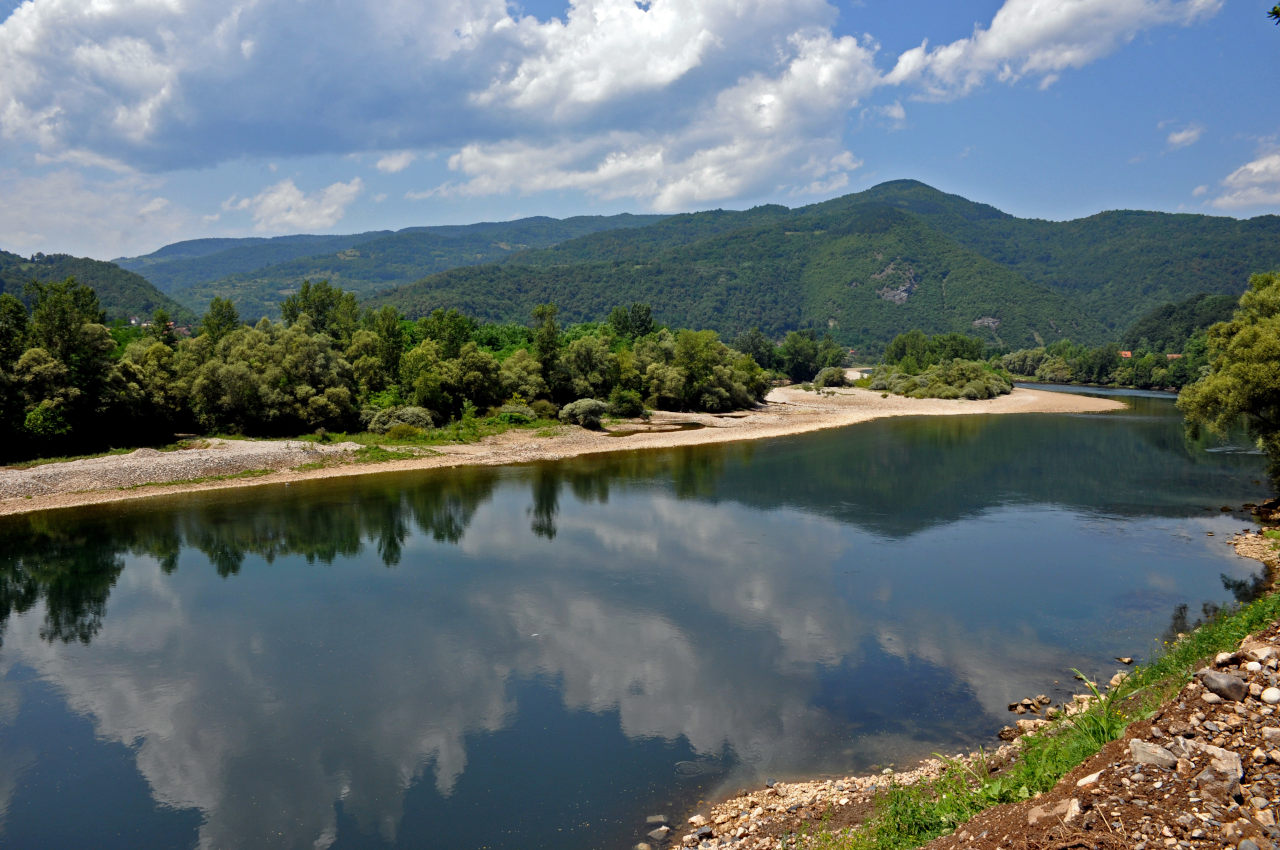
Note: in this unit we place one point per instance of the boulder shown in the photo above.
(1143, 752)
(1224, 685)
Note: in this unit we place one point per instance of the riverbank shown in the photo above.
(220, 464)
(1195, 763)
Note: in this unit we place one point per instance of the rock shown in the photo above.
(655, 819)
(722, 819)
(1073, 811)
(1253, 667)
(697, 820)
(659, 833)
(1222, 659)
(1143, 752)
(1247, 844)
(1265, 817)
(705, 832)
(1124, 659)
(1224, 685)
(1086, 781)
(1212, 699)
(1044, 811)
(1117, 679)
(1008, 733)
(1026, 727)
(1217, 785)
(643, 845)
(1271, 696)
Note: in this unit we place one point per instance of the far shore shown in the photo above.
(146, 474)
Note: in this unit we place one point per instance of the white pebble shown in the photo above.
(1271, 696)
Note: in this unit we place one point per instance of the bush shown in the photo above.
(384, 420)
(544, 409)
(514, 413)
(404, 431)
(585, 412)
(625, 403)
(969, 379)
(832, 376)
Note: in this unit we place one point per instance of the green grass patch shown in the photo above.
(313, 465)
(378, 454)
(248, 473)
(909, 816)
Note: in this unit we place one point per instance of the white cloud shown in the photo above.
(285, 207)
(1185, 137)
(393, 163)
(1200, 191)
(1039, 39)
(764, 131)
(99, 218)
(1253, 184)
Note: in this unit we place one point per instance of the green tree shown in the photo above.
(1243, 380)
(546, 340)
(330, 310)
(161, 329)
(13, 330)
(220, 319)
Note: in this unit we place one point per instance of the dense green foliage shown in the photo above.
(1243, 378)
(255, 273)
(968, 379)
(67, 385)
(122, 294)
(1168, 327)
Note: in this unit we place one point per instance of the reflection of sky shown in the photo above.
(290, 697)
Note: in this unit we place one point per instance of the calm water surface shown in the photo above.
(541, 656)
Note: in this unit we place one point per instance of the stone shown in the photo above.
(1265, 817)
(1270, 696)
(1218, 785)
(1028, 726)
(1212, 699)
(659, 833)
(1045, 811)
(1073, 811)
(705, 832)
(1143, 752)
(1117, 679)
(1089, 780)
(1271, 734)
(1224, 685)
(1253, 667)
(643, 845)
(698, 820)
(655, 819)
(1247, 844)
(1222, 659)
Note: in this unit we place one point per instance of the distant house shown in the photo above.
(1126, 354)
(1173, 357)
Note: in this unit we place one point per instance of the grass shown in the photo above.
(248, 473)
(909, 816)
(379, 454)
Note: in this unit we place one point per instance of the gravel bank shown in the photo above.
(786, 411)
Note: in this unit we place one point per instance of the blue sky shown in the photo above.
(129, 124)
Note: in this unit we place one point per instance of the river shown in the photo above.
(542, 656)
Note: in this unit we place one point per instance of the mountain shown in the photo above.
(864, 274)
(122, 294)
(869, 265)
(257, 274)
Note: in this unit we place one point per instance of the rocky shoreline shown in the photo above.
(1203, 772)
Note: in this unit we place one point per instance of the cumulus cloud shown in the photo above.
(1253, 184)
(1185, 137)
(101, 218)
(765, 130)
(1032, 38)
(285, 207)
(393, 163)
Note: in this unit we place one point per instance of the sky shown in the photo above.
(126, 125)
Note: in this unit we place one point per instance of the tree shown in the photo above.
(13, 330)
(546, 339)
(220, 319)
(1274, 14)
(162, 328)
(330, 310)
(1243, 379)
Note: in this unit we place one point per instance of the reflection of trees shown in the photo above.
(72, 563)
(72, 569)
(1243, 590)
(546, 501)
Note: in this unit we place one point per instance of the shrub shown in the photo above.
(626, 403)
(544, 409)
(969, 379)
(832, 376)
(404, 431)
(383, 421)
(514, 413)
(585, 412)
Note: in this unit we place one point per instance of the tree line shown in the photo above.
(71, 384)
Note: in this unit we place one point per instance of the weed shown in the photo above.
(377, 454)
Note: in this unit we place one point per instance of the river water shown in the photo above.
(542, 656)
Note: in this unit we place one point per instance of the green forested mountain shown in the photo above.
(257, 274)
(865, 274)
(1116, 264)
(121, 293)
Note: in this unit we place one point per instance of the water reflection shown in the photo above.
(526, 657)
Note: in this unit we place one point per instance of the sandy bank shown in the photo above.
(147, 473)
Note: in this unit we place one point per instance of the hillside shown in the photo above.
(257, 274)
(1117, 264)
(869, 265)
(122, 293)
(864, 276)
